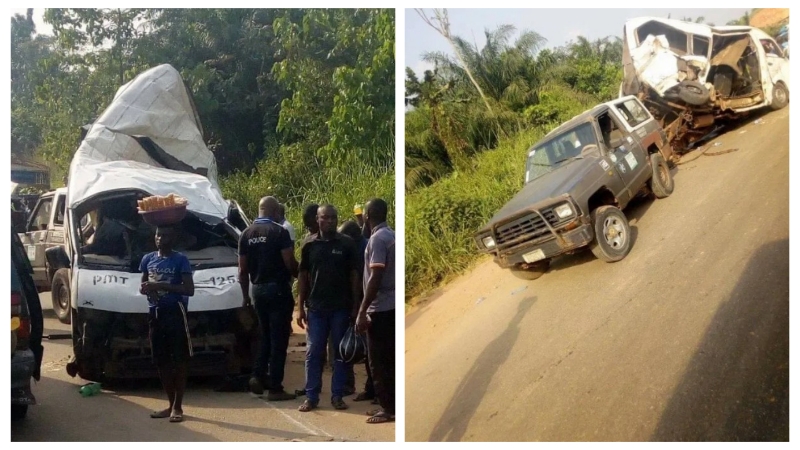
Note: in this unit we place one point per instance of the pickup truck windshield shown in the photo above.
(563, 147)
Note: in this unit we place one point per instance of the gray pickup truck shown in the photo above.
(578, 179)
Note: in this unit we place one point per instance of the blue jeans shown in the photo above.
(274, 304)
(321, 324)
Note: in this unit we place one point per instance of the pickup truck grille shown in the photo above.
(530, 224)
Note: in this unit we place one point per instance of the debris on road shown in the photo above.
(759, 121)
(518, 290)
(717, 144)
(480, 300)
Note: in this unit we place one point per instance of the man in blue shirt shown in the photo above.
(167, 283)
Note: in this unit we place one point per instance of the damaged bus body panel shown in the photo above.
(149, 142)
(691, 75)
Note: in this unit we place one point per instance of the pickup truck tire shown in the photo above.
(661, 182)
(533, 273)
(693, 93)
(612, 234)
(60, 295)
(780, 96)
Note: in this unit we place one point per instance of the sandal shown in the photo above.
(160, 414)
(176, 418)
(381, 417)
(338, 403)
(374, 412)
(307, 406)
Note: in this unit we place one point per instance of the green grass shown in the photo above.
(298, 183)
(441, 218)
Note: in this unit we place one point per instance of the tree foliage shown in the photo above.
(266, 82)
(525, 85)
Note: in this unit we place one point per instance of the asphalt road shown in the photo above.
(121, 413)
(687, 339)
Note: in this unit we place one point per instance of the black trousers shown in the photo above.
(381, 357)
(274, 305)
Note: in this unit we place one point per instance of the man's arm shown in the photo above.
(373, 284)
(303, 285)
(244, 271)
(377, 254)
(355, 288)
(290, 261)
(302, 295)
(244, 280)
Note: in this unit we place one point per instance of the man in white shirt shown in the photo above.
(285, 223)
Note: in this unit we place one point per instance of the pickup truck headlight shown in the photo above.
(564, 211)
(488, 242)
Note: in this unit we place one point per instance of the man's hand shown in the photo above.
(301, 319)
(149, 287)
(247, 301)
(362, 323)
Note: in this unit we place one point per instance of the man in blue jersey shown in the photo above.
(167, 283)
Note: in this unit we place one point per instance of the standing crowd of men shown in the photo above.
(345, 278)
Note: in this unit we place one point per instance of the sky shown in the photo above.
(558, 26)
(41, 27)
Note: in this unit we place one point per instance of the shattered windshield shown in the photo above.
(563, 147)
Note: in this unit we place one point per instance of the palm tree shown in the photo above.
(500, 70)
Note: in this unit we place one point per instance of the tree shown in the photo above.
(442, 26)
(338, 68)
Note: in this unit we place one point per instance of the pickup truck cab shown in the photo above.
(578, 179)
(43, 232)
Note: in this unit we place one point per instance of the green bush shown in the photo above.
(297, 179)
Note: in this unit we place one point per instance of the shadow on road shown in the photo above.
(736, 387)
(470, 392)
(271, 432)
(96, 419)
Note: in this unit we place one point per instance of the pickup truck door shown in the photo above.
(624, 155)
(35, 238)
(639, 132)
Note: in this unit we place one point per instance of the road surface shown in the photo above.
(687, 339)
(122, 413)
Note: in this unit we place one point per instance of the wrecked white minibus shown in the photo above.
(149, 141)
(691, 75)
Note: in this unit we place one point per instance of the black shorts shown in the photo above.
(169, 335)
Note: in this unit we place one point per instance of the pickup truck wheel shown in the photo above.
(661, 182)
(780, 96)
(60, 295)
(693, 93)
(612, 234)
(533, 273)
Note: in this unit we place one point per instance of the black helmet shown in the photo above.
(352, 347)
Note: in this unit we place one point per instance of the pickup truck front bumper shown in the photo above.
(551, 245)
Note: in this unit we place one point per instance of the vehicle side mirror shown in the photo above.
(57, 257)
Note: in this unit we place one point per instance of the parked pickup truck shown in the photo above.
(43, 231)
(578, 180)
